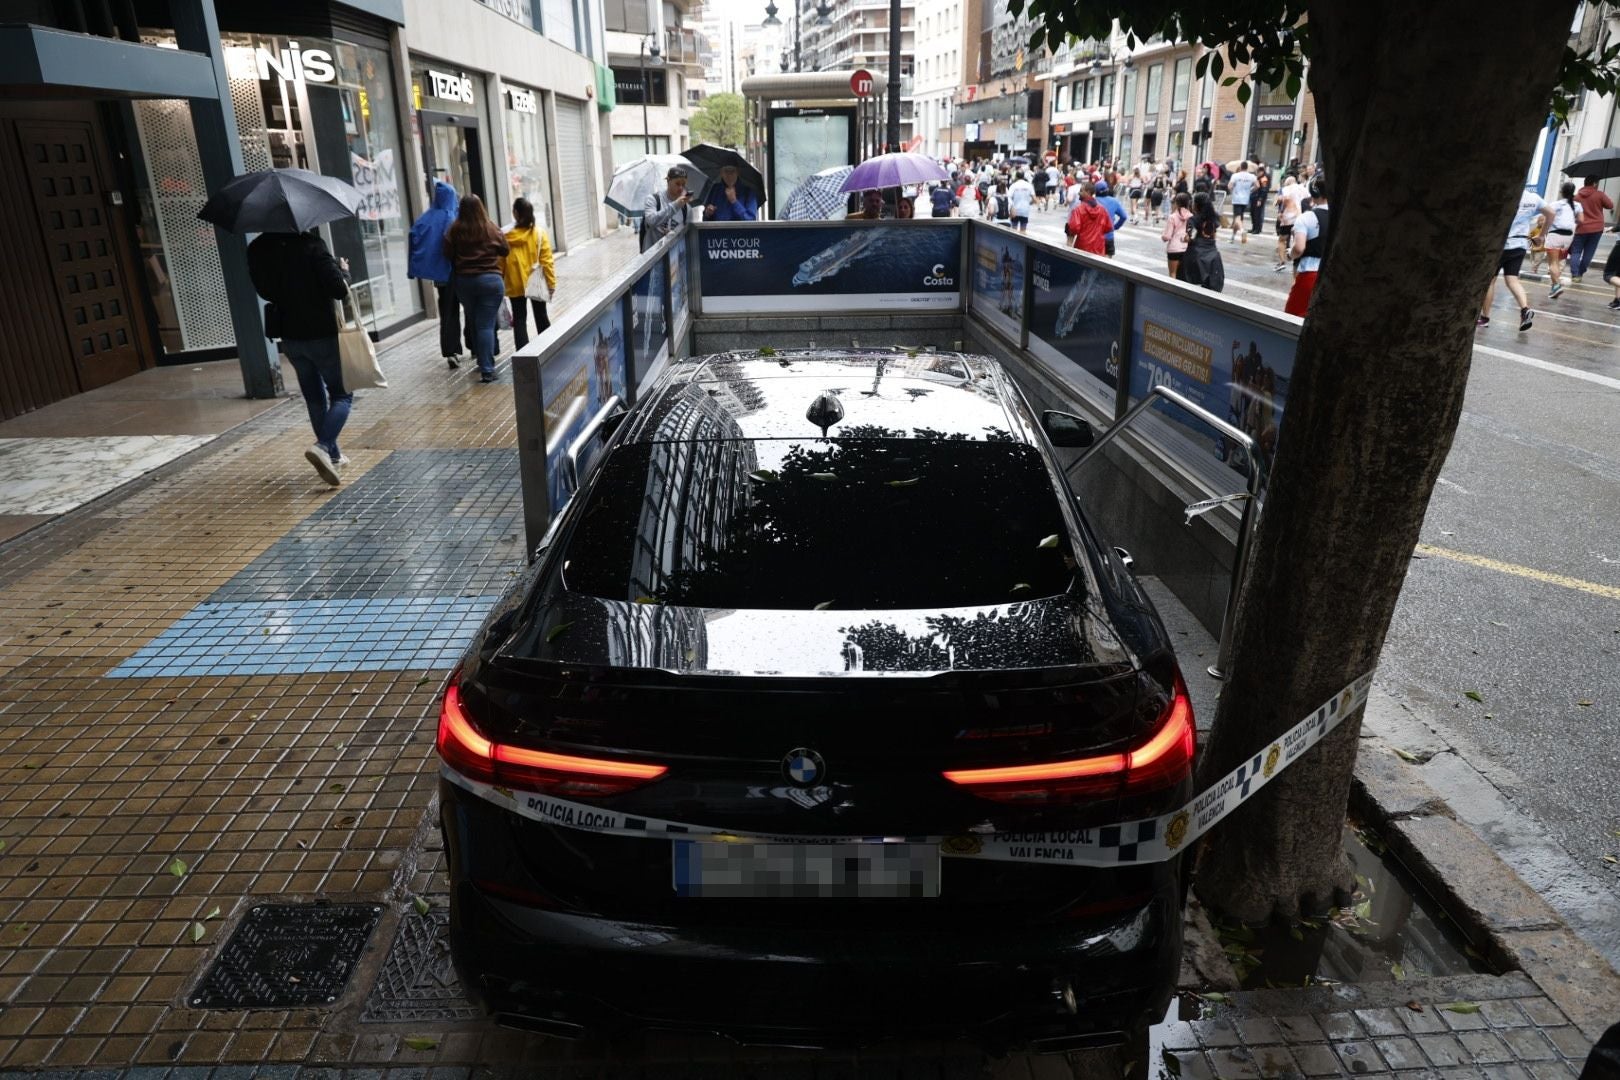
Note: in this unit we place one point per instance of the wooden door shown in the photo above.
(68, 178)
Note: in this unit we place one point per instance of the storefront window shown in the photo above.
(1127, 94)
(627, 148)
(1173, 145)
(528, 169)
(1155, 86)
(331, 110)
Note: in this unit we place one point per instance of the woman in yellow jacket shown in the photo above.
(528, 248)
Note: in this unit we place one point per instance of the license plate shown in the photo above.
(709, 869)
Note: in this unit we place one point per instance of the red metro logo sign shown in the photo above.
(861, 83)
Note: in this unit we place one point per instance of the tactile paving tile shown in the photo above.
(393, 573)
(417, 982)
(287, 955)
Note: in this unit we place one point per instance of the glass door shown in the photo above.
(453, 153)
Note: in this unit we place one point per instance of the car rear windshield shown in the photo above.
(842, 523)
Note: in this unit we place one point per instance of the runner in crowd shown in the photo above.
(1531, 206)
(1175, 230)
(1240, 188)
(1290, 201)
(1560, 235)
(1090, 226)
(1309, 242)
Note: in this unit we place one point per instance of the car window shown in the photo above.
(847, 523)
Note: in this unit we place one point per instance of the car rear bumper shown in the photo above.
(997, 976)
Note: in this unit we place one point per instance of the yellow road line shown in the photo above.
(1563, 580)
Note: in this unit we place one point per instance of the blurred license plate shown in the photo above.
(806, 870)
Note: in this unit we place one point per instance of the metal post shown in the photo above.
(1222, 667)
(219, 148)
(646, 127)
(798, 36)
(893, 133)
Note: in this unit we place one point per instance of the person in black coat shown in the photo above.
(300, 279)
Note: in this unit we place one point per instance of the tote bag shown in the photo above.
(536, 288)
(357, 353)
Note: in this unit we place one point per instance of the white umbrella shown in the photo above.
(820, 197)
(635, 180)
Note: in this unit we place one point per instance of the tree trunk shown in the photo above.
(1429, 114)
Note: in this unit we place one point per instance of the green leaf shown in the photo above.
(423, 680)
(1048, 542)
(691, 656)
(1464, 1007)
(823, 476)
(1398, 971)
(1406, 755)
(1584, 704)
(421, 1042)
(422, 906)
(213, 914)
(824, 605)
(557, 631)
(178, 867)
(766, 350)
(1473, 695)
(918, 480)
(764, 476)
(645, 600)
(197, 931)
(1363, 910)
(2, 845)
(1214, 995)
(1244, 92)
(1296, 933)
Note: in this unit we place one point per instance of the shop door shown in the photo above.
(1271, 145)
(66, 174)
(453, 152)
(574, 163)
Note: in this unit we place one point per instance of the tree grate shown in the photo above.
(418, 982)
(287, 955)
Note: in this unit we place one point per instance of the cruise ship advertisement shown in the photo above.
(856, 266)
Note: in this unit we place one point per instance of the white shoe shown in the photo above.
(323, 465)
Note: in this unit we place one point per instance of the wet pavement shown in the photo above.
(221, 687)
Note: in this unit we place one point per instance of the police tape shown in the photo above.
(1148, 840)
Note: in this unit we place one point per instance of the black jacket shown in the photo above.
(300, 278)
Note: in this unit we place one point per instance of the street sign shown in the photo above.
(860, 83)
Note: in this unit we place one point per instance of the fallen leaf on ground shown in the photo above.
(1414, 1006)
(422, 906)
(1406, 755)
(1215, 996)
(197, 931)
(178, 867)
(421, 1042)
(1473, 695)
(213, 914)
(1584, 704)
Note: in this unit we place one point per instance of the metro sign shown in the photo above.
(861, 83)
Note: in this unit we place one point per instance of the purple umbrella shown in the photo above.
(894, 170)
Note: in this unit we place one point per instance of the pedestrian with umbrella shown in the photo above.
(820, 197)
(295, 273)
(740, 190)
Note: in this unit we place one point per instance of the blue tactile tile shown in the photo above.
(396, 571)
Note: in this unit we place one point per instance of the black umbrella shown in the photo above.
(711, 159)
(1600, 164)
(280, 200)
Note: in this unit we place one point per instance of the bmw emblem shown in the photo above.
(804, 767)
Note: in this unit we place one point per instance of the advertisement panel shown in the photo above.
(677, 287)
(1236, 370)
(841, 267)
(805, 141)
(1074, 320)
(648, 331)
(574, 384)
(998, 267)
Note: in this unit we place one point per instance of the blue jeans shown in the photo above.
(480, 295)
(320, 380)
(1581, 250)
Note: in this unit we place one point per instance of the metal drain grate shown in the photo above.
(286, 955)
(417, 982)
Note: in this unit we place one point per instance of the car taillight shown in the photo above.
(477, 757)
(1163, 761)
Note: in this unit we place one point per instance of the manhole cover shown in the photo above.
(286, 955)
(417, 982)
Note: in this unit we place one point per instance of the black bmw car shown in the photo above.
(819, 631)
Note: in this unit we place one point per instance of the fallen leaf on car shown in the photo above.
(824, 605)
(422, 906)
(558, 631)
(1049, 542)
(764, 476)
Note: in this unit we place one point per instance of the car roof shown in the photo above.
(884, 394)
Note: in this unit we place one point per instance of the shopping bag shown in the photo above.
(357, 353)
(503, 318)
(536, 288)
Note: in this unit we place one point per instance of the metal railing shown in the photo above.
(1251, 500)
(577, 447)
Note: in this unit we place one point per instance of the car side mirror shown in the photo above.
(1066, 429)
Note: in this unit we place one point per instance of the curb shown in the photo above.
(1504, 917)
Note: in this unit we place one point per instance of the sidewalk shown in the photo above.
(220, 694)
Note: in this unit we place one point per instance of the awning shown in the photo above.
(42, 62)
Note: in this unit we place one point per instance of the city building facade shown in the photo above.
(128, 113)
(655, 52)
(941, 49)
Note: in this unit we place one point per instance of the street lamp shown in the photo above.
(649, 47)
(823, 17)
